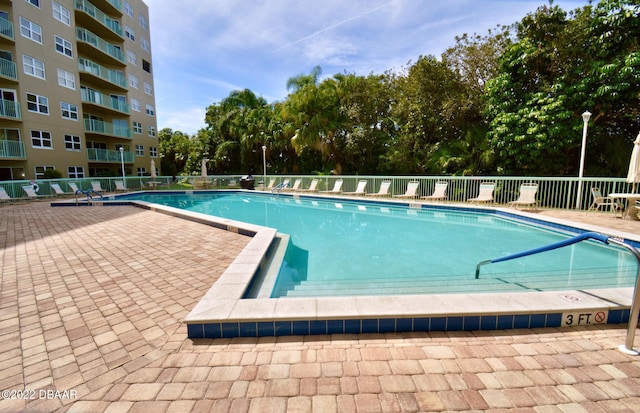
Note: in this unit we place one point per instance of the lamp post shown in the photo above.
(585, 117)
(124, 180)
(264, 164)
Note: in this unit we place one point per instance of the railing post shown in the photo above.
(627, 347)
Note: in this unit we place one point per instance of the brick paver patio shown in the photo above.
(91, 303)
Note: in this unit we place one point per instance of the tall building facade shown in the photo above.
(76, 78)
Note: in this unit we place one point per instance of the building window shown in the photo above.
(63, 46)
(146, 66)
(146, 46)
(142, 171)
(135, 104)
(139, 150)
(142, 20)
(72, 142)
(133, 81)
(37, 103)
(69, 111)
(137, 127)
(40, 170)
(151, 131)
(148, 89)
(75, 172)
(131, 35)
(34, 2)
(153, 151)
(128, 9)
(150, 110)
(33, 67)
(61, 13)
(66, 79)
(41, 139)
(132, 57)
(30, 30)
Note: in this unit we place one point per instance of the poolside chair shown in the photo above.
(74, 187)
(362, 184)
(120, 186)
(281, 186)
(439, 192)
(312, 186)
(384, 189)
(337, 188)
(485, 194)
(57, 190)
(412, 189)
(527, 196)
(603, 201)
(272, 182)
(295, 187)
(4, 196)
(95, 185)
(31, 192)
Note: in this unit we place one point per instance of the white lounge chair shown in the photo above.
(4, 196)
(603, 201)
(312, 186)
(95, 185)
(31, 192)
(272, 182)
(485, 194)
(360, 189)
(337, 188)
(384, 189)
(281, 186)
(412, 190)
(295, 187)
(74, 187)
(527, 196)
(439, 192)
(120, 186)
(57, 190)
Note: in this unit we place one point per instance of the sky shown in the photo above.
(205, 49)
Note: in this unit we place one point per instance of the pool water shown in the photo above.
(343, 247)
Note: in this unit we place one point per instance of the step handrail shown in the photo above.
(627, 347)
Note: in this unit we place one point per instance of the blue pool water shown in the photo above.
(340, 247)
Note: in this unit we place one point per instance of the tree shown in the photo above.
(174, 151)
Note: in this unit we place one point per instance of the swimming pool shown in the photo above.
(350, 247)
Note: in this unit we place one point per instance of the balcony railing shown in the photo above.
(6, 28)
(11, 149)
(109, 156)
(106, 128)
(112, 76)
(8, 69)
(10, 109)
(88, 37)
(98, 15)
(100, 99)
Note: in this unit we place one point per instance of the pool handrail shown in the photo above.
(627, 347)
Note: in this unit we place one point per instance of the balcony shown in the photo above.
(106, 77)
(10, 109)
(6, 29)
(108, 26)
(101, 127)
(112, 6)
(108, 156)
(89, 42)
(104, 101)
(11, 149)
(8, 69)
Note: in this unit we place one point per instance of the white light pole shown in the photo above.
(585, 117)
(124, 180)
(264, 164)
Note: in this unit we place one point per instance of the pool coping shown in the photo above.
(224, 313)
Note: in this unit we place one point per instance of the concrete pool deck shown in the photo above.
(91, 308)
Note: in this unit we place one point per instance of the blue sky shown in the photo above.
(204, 49)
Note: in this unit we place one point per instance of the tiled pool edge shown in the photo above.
(222, 313)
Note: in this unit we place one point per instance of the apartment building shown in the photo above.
(76, 78)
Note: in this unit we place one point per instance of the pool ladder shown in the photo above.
(87, 193)
(278, 188)
(635, 304)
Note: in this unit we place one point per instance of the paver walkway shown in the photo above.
(91, 303)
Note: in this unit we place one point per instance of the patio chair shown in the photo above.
(312, 186)
(603, 201)
(412, 189)
(31, 192)
(57, 190)
(360, 189)
(4, 196)
(95, 185)
(527, 196)
(337, 188)
(272, 182)
(74, 187)
(485, 194)
(281, 186)
(295, 187)
(384, 189)
(120, 186)
(439, 192)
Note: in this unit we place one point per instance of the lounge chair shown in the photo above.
(337, 188)
(74, 187)
(603, 201)
(4, 196)
(95, 185)
(384, 189)
(360, 189)
(527, 196)
(485, 194)
(31, 192)
(120, 186)
(440, 192)
(412, 191)
(295, 187)
(281, 186)
(272, 182)
(312, 186)
(57, 190)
